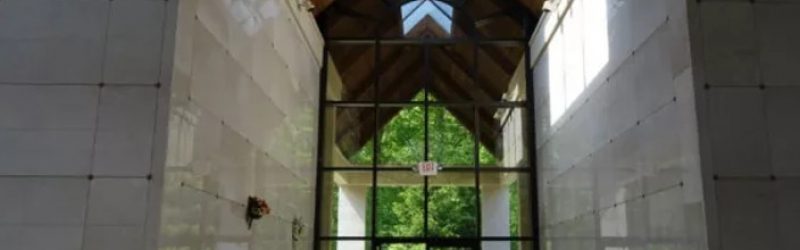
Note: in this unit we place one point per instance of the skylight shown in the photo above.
(416, 10)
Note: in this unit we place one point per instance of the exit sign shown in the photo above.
(428, 168)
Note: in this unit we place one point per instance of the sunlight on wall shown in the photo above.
(614, 223)
(249, 16)
(577, 52)
(181, 137)
(596, 47)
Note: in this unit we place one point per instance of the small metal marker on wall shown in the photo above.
(298, 230)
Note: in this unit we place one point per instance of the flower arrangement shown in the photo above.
(256, 208)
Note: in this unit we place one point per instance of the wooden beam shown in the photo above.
(477, 94)
(363, 88)
(494, 53)
(467, 119)
(357, 52)
(321, 5)
(534, 6)
(341, 10)
(403, 86)
(499, 57)
(440, 89)
(464, 65)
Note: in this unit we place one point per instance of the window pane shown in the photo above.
(344, 205)
(451, 139)
(453, 205)
(348, 136)
(417, 11)
(403, 246)
(505, 204)
(402, 138)
(510, 245)
(508, 139)
(452, 70)
(351, 70)
(399, 207)
(345, 245)
(498, 71)
(402, 76)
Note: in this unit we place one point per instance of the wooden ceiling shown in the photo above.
(402, 69)
(534, 6)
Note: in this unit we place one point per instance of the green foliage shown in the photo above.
(452, 209)
(514, 205)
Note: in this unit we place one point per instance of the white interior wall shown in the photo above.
(84, 86)
(243, 122)
(617, 136)
(748, 94)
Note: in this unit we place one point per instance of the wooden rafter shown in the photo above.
(533, 6)
(476, 93)
(494, 53)
(462, 64)
(444, 90)
(363, 88)
(321, 5)
(401, 87)
(401, 71)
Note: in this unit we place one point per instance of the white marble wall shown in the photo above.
(84, 86)
(616, 122)
(748, 94)
(243, 121)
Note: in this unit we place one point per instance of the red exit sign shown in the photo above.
(427, 168)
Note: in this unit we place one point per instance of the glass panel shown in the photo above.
(345, 245)
(451, 141)
(453, 205)
(436, 19)
(507, 138)
(451, 248)
(452, 69)
(402, 246)
(351, 73)
(509, 245)
(415, 12)
(515, 90)
(399, 207)
(345, 202)
(505, 202)
(402, 138)
(348, 136)
(497, 66)
(402, 75)
(354, 19)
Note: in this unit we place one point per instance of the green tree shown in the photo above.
(452, 208)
